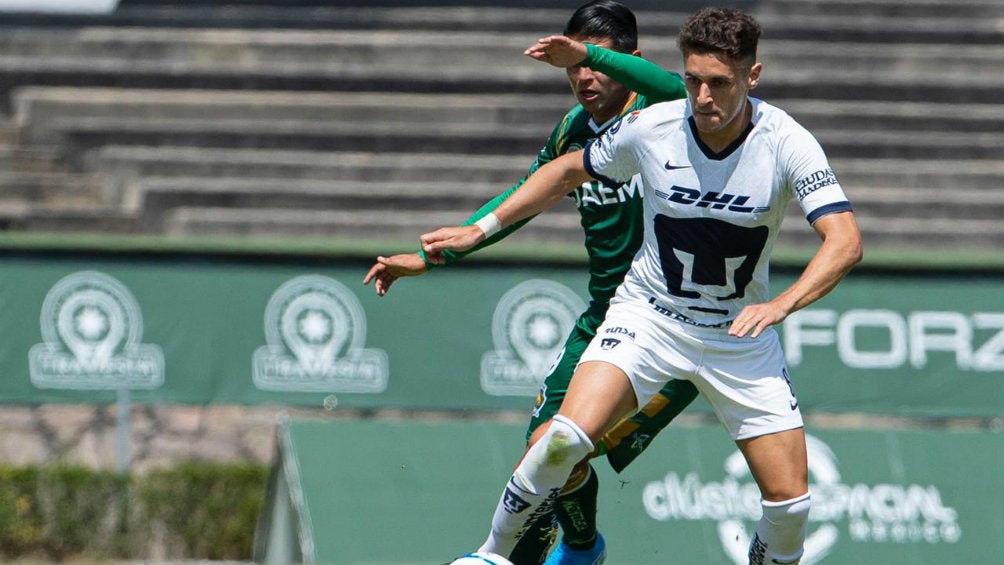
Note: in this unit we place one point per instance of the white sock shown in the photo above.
(536, 483)
(780, 535)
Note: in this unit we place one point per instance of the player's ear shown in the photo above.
(754, 77)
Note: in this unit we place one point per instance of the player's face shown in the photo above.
(599, 94)
(718, 88)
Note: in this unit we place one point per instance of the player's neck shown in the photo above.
(719, 140)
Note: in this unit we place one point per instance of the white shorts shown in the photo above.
(745, 380)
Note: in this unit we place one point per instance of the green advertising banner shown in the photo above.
(423, 492)
(882, 497)
(193, 330)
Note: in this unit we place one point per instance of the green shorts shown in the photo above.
(631, 436)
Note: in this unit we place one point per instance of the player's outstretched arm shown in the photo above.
(386, 270)
(543, 189)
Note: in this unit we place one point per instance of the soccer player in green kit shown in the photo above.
(612, 221)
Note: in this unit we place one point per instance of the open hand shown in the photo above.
(756, 318)
(388, 269)
(557, 50)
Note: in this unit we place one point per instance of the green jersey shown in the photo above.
(611, 216)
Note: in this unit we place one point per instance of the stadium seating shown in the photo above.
(362, 119)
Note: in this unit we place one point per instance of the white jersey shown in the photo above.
(711, 219)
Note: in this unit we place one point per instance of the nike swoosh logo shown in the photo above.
(675, 167)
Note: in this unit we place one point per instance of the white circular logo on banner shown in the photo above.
(92, 327)
(315, 329)
(529, 329)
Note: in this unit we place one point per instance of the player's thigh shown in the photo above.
(635, 355)
(631, 436)
(747, 384)
(778, 463)
(555, 385)
(599, 395)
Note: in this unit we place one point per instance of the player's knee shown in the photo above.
(538, 433)
(566, 443)
(780, 535)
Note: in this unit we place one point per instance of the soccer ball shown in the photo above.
(481, 558)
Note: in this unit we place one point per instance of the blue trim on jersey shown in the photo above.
(592, 172)
(724, 152)
(844, 206)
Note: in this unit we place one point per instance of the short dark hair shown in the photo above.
(721, 30)
(605, 19)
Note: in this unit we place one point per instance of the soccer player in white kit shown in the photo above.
(719, 170)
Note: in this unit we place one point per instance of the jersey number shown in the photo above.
(697, 253)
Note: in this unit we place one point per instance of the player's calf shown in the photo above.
(780, 535)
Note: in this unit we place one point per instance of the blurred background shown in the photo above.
(200, 165)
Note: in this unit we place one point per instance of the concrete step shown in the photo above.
(36, 106)
(30, 159)
(880, 233)
(845, 21)
(392, 48)
(809, 83)
(377, 224)
(941, 237)
(895, 115)
(124, 166)
(863, 9)
(26, 71)
(133, 162)
(65, 219)
(812, 83)
(158, 196)
(980, 176)
(280, 52)
(299, 57)
(917, 144)
(86, 134)
(944, 235)
(253, 50)
(10, 133)
(934, 205)
(161, 197)
(952, 59)
(33, 188)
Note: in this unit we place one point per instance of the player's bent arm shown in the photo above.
(637, 74)
(629, 69)
(544, 188)
(840, 250)
(547, 153)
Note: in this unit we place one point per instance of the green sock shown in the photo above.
(532, 548)
(576, 512)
